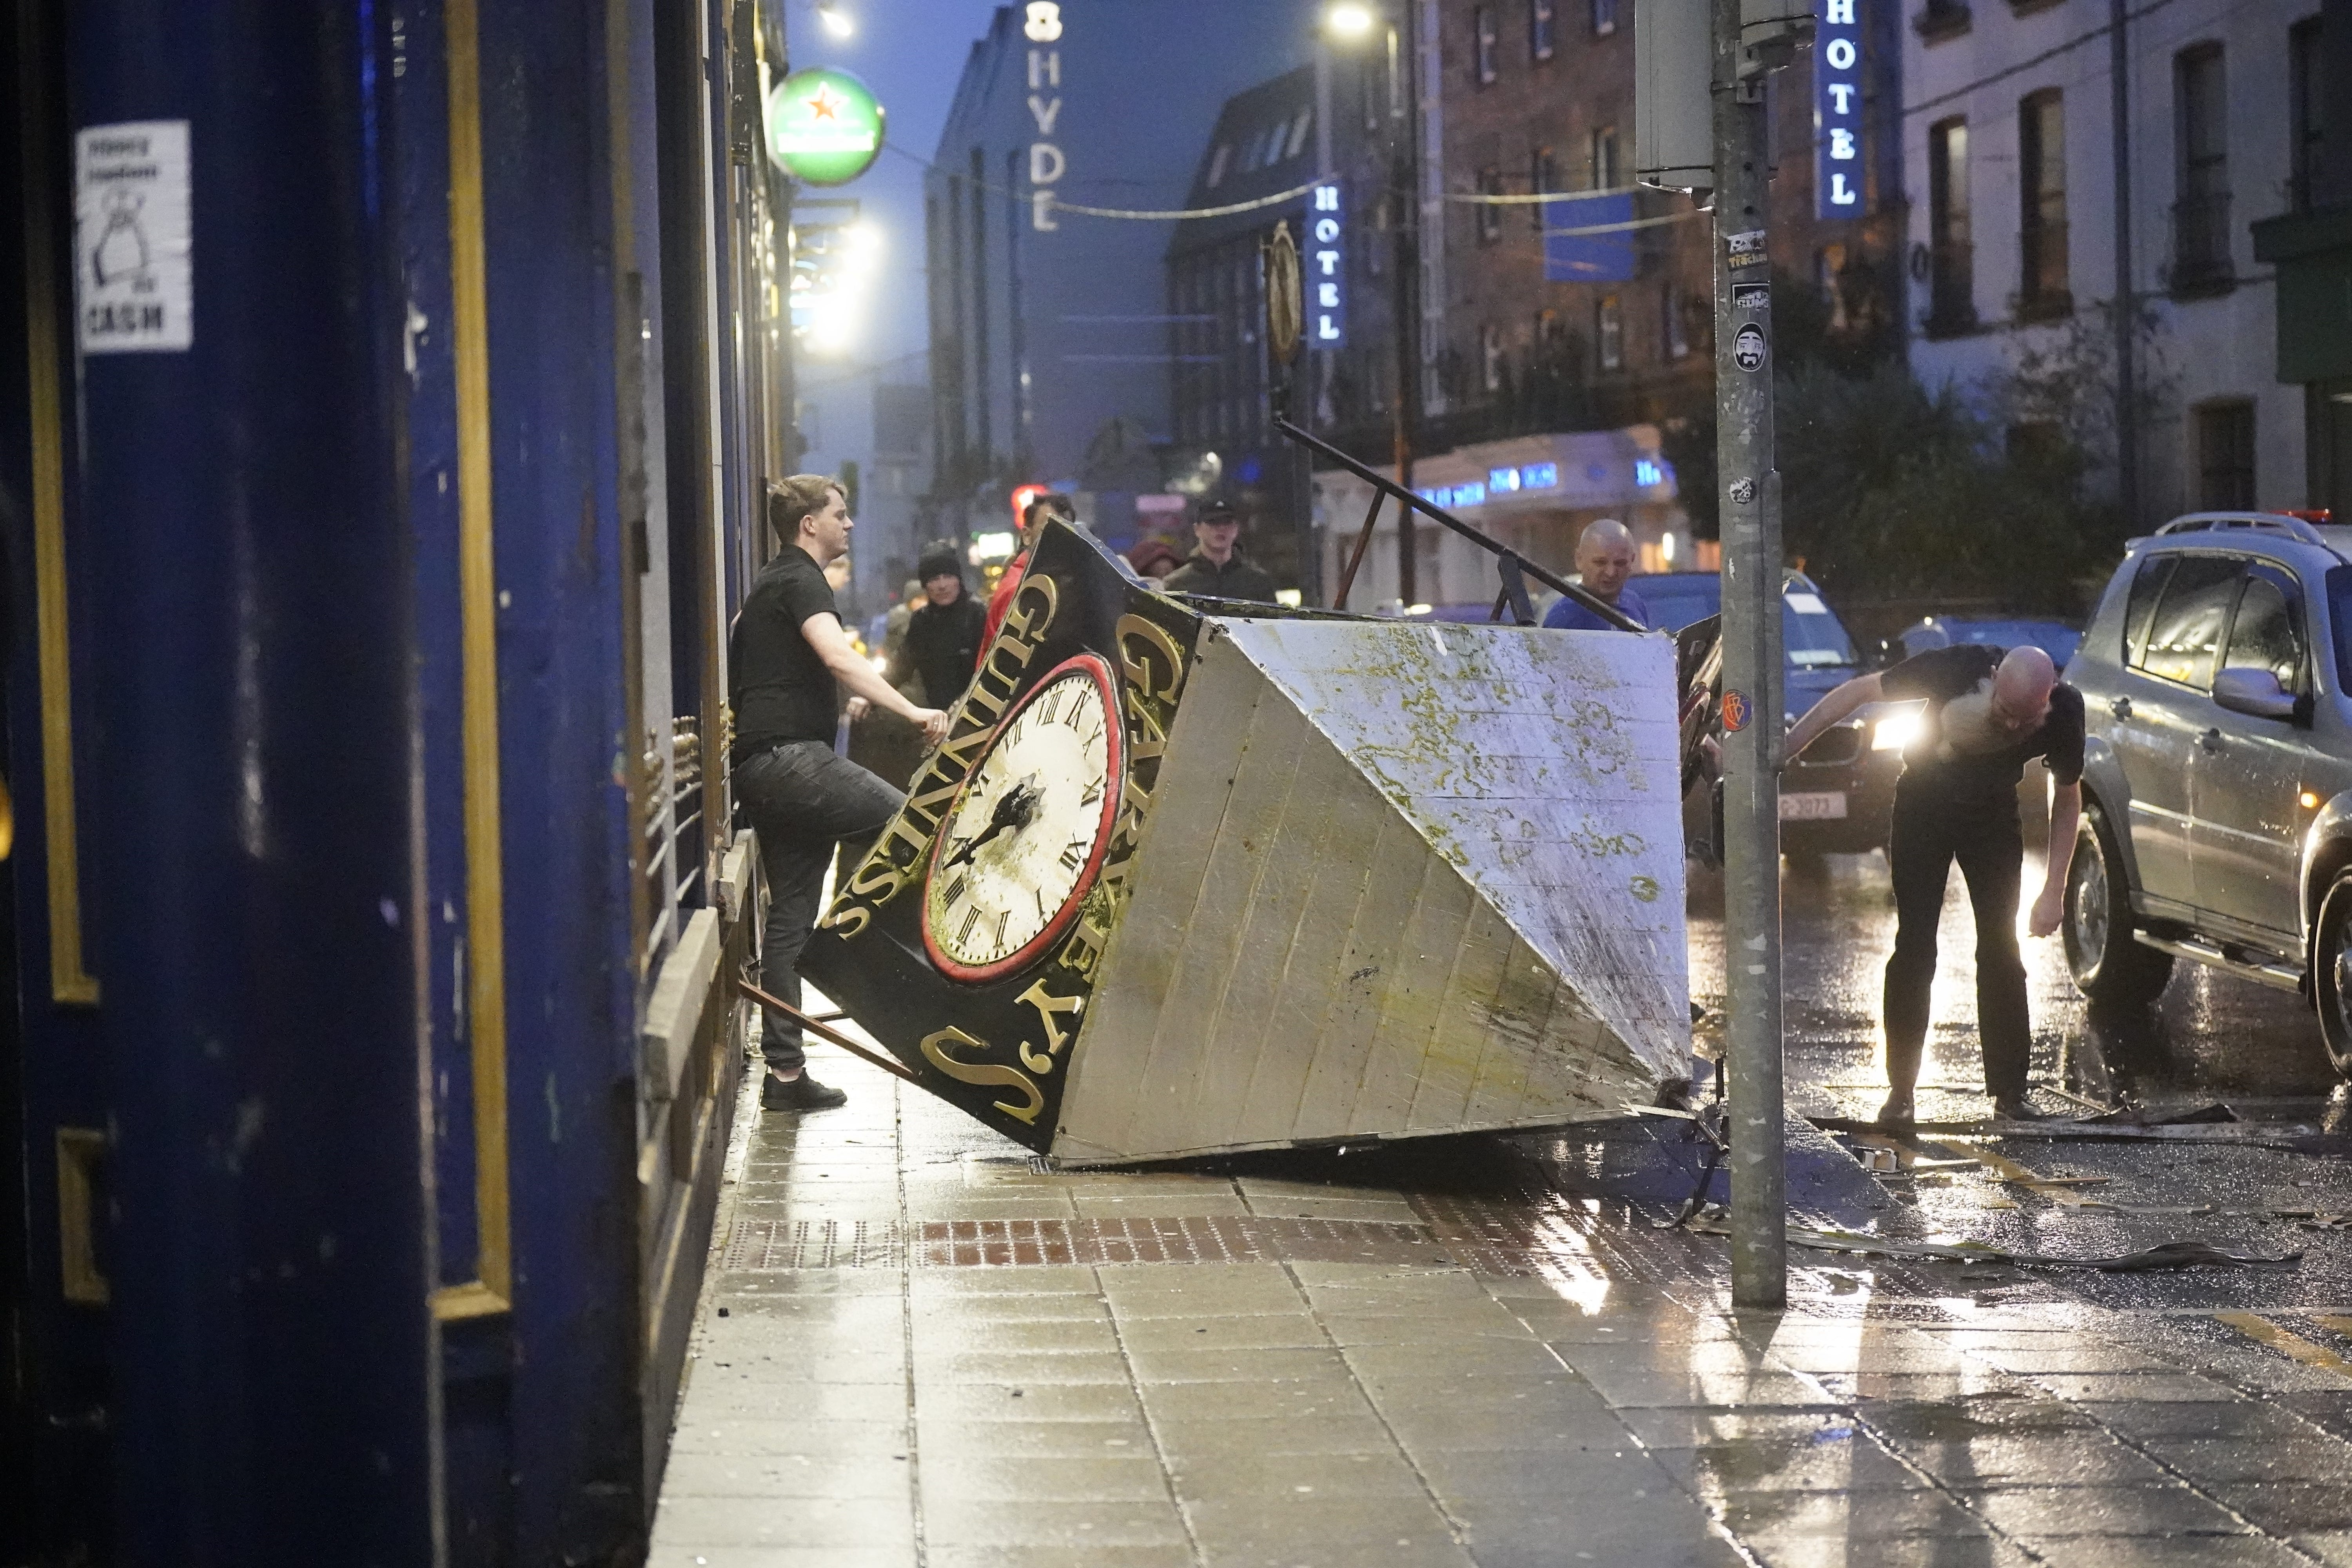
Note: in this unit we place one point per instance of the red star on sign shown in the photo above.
(822, 105)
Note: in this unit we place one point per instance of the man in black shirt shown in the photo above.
(1217, 568)
(788, 657)
(1988, 712)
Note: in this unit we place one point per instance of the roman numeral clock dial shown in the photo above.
(1026, 836)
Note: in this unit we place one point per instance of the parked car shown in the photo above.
(1839, 797)
(2056, 638)
(2217, 782)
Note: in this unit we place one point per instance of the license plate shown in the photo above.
(1814, 805)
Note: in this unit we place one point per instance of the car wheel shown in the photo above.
(2331, 971)
(2109, 967)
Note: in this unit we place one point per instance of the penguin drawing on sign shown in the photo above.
(121, 249)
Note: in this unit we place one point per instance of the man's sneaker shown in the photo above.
(1896, 1111)
(2015, 1108)
(802, 1093)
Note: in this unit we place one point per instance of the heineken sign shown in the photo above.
(824, 127)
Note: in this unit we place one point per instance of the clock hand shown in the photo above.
(1016, 809)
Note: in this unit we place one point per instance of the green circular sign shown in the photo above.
(824, 127)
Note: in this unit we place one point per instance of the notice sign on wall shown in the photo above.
(133, 279)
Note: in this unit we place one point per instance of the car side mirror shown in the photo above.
(2253, 692)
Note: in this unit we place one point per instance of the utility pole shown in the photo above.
(1752, 708)
(2127, 314)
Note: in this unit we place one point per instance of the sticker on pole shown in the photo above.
(133, 277)
(1748, 348)
(1736, 711)
(1745, 248)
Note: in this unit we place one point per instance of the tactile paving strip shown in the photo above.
(755, 1244)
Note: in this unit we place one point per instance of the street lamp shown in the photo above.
(835, 21)
(1353, 22)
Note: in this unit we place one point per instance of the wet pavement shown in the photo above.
(915, 1347)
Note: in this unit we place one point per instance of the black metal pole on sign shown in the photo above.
(1412, 503)
(834, 1036)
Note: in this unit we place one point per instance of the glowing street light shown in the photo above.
(1349, 19)
(835, 21)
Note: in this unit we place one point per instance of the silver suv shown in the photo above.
(2217, 783)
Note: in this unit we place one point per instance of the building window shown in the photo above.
(1604, 17)
(2201, 212)
(1676, 330)
(1543, 178)
(1540, 40)
(1605, 158)
(2225, 457)
(1548, 335)
(2305, 97)
(1490, 356)
(1217, 162)
(1484, 21)
(1609, 332)
(1490, 215)
(2042, 200)
(1951, 255)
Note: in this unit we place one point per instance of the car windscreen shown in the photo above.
(1810, 632)
(1812, 635)
(1678, 602)
(2058, 641)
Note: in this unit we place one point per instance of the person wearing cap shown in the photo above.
(1052, 504)
(943, 635)
(1217, 568)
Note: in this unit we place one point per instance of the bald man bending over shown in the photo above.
(1605, 559)
(1987, 712)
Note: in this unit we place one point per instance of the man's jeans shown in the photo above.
(802, 800)
(1931, 831)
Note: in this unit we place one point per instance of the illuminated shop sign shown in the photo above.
(1326, 270)
(1042, 25)
(1498, 482)
(824, 127)
(1648, 472)
(1837, 109)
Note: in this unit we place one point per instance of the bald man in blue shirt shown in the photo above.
(1605, 559)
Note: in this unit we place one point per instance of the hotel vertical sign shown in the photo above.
(1327, 268)
(1837, 109)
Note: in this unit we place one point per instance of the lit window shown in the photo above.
(1484, 21)
(1490, 355)
(1677, 331)
(1539, 29)
(1609, 332)
(1604, 17)
(1490, 216)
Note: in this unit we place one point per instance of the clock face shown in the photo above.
(1025, 835)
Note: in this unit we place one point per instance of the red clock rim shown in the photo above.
(1096, 666)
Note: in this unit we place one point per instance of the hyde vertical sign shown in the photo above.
(1326, 271)
(1042, 25)
(1837, 109)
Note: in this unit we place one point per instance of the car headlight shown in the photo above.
(1893, 733)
